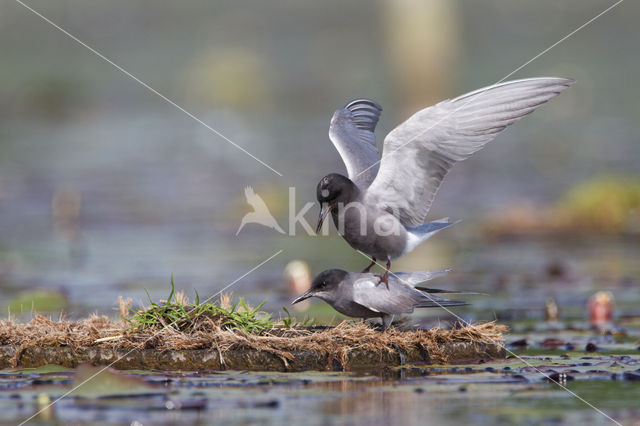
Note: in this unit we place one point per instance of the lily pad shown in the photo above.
(101, 382)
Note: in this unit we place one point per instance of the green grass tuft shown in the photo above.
(179, 314)
(291, 322)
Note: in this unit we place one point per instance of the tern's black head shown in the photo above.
(335, 188)
(327, 280)
(324, 285)
(332, 190)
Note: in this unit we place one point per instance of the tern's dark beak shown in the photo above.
(307, 294)
(323, 214)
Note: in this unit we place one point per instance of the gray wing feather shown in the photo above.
(352, 133)
(400, 298)
(415, 278)
(418, 153)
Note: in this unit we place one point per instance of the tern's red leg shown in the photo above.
(373, 262)
(385, 278)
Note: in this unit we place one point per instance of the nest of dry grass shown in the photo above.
(335, 342)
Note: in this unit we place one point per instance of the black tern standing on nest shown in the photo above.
(381, 207)
(360, 295)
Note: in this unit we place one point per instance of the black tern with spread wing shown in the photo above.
(361, 295)
(381, 206)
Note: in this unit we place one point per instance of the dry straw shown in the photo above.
(207, 333)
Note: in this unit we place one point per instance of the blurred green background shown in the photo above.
(106, 189)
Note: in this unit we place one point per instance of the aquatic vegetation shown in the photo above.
(234, 336)
(349, 344)
(98, 382)
(290, 321)
(177, 313)
(504, 392)
(38, 300)
(607, 204)
(602, 205)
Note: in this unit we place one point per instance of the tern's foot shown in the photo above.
(378, 327)
(383, 279)
(368, 268)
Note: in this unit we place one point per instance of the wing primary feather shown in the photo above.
(442, 303)
(363, 102)
(352, 133)
(420, 152)
(441, 291)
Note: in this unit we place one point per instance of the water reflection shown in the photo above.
(331, 398)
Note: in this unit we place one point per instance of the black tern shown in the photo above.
(381, 206)
(360, 295)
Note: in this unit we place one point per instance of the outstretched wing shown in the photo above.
(352, 133)
(418, 153)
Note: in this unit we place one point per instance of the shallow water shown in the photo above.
(509, 392)
(518, 276)
(152, 193)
